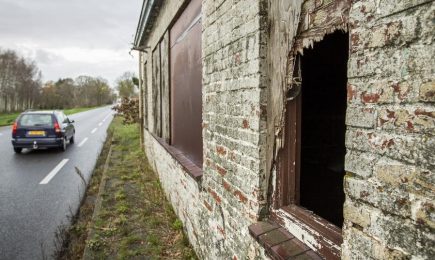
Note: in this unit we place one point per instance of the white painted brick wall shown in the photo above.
(389, 209)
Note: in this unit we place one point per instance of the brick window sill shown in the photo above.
(279, 243)
(192, 169)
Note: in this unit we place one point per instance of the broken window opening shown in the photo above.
(322, 141)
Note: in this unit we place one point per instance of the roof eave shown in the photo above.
(148, 15)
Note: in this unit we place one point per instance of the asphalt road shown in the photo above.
(35, 198)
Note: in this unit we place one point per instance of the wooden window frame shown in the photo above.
(289, 156)
(285, 207)
(288, 190)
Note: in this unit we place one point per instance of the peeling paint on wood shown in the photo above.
(156, 89)
(283, 19)
(166, 120)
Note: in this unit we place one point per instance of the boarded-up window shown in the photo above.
(145, 95)
(160, 89)
(156, 92)
(186, 83)
(165, 99)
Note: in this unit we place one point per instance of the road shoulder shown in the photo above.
(132, 218)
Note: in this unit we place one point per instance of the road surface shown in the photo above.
(40, 189)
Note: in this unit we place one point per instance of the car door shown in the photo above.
(69, 126)
(62, 123)
(65, 125)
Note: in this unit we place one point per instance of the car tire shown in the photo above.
(18, 150)
(63, 146)
(72, 140)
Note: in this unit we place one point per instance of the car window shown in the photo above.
(36, 120)
(65, 118)
(59, 117)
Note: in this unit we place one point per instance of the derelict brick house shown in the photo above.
(293, 129)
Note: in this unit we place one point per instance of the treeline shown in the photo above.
(21, 88)
(84, 91)
(20, 82)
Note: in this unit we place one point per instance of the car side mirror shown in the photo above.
(71, 121)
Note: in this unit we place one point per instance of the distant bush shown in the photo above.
(129, 110)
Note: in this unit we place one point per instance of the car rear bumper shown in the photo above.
(36, 142)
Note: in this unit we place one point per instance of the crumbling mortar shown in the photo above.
(407, 10)
(385, 131)
(390, 47)
(384, 212)
(425, 166)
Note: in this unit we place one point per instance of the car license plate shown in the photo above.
(36, 133)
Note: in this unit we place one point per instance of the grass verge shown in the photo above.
(8, 119)
(135, 220)
(77, 110)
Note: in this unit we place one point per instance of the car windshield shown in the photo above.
(36, 120)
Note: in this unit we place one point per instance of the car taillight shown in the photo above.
(56, 128)
(14, 128)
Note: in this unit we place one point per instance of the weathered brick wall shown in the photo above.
(233, 91)
(180, 188)
(389, 208)
(218, 210)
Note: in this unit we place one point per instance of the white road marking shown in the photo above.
(53, 173)
(100, 124)
(107, 117)
(1, 134)
(82, 142)
(94, 130)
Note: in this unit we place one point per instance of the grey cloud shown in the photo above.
(46, 57)
(79, 22)
(57, 24)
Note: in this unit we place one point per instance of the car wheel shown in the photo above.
(63, 146)
(18, 150)
(71, 140)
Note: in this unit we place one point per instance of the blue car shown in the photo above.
(42, 129)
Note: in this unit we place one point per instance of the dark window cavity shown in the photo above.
(323, 110)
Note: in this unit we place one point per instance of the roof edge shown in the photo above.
(147, 17)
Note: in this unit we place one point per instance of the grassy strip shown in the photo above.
(8, 119)
(70, 239)
(135, 219)
(77, 110)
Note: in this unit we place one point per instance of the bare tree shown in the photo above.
(20, 82)
(125, 85)
(21, 87)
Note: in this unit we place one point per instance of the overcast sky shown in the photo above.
(68, 38)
